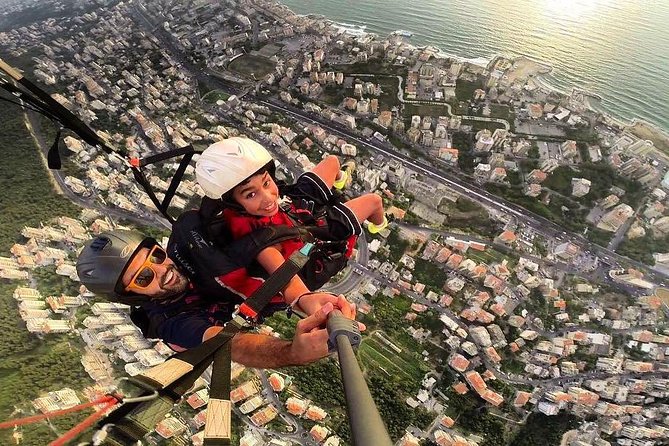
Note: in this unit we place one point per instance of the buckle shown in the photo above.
(241, 320)
(140, 385)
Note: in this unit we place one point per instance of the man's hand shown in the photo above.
(310, 342)
(311, 303)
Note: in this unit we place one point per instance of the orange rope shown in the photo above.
(27, 420)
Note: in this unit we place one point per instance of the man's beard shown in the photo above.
(172, 290)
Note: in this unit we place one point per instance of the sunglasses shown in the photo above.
(145, 274)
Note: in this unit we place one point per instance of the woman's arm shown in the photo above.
(271, 259)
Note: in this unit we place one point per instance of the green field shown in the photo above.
(375, 353)
(488, 256)
(213, 96)
(250, 66)
(480, 125)
(425, 110)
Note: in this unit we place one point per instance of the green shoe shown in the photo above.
(341, 182)
(375, 229)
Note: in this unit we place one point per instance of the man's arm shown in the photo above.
(260, 351)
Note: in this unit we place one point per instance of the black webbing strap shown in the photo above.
(172, 379)
(176, 180)
(35, 104)
(186, 153)
(53, 156)
(144, 182)
(252, 307)
(163, 156)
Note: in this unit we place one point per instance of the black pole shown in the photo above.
(367, 428)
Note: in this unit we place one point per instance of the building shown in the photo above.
(609, 201)
(535, 111)
(549, 165)
(484, 141)
(296, 406)
(506, 237)
(631, 277)
(277, 382)
(537, 177)
(661, 225)
(498, 174)
(482, 172)
(459, 362)
(615, 218)
(580, 187)
(264, 416)
(569, 149)
(385, 119)
(532, 190)
(246, 390)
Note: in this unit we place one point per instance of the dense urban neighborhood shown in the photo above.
(517, 297)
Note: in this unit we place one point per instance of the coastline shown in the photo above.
(622, 122)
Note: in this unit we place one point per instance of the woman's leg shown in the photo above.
(328, 170)
(367, 207)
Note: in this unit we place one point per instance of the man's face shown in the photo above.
(166, 282)
(259, 196)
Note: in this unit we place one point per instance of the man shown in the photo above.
(131, 269)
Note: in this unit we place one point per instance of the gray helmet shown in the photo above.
(103, 261)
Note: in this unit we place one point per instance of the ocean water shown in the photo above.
(617, 49)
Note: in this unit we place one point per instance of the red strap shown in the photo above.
(247, 311)
(27, 420)
(79, 428)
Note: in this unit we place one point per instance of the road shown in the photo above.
(504, 122)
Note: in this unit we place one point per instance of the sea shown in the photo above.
(616, 49)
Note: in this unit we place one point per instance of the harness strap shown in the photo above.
(144, 182)
(176, 180)
(218, 424)
(252, 307)
(187, 152)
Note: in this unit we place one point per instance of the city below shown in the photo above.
(518, 297)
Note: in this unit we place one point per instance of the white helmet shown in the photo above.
(225, 164)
